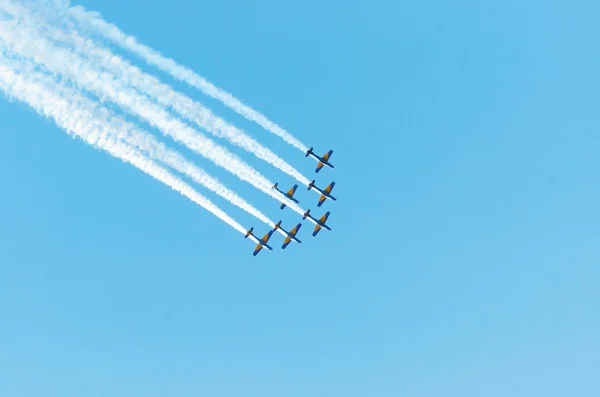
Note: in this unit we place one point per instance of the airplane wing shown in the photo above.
(267, 236)
(319, 167)
(317, 230)
(324, 217)
(286, 242)
(292, 190)
(329, 188)
(327, 155)
(321, 201)
(257, 249)
(296, 229)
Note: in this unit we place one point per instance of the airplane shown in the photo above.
(325, 194)
(262, 243)
(322, 160)
(320, 223)
(289, 194)
(291, 235)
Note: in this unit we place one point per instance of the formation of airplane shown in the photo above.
(321, 223)
(322, 160)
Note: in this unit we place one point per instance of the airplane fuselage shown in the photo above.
(288, 234)
(294, 238)
(321, 160)
(321, 192)
(259, 242)
(327, 195)
(318, 222)
(288, 196)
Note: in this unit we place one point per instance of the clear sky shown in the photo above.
(464, 258)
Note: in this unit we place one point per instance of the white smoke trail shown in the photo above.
(151, 86)
(132, 135)
(67, 64)
(80, 123)
(94, 21)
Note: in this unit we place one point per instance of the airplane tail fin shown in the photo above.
(308, 152)
(275, 185)
(311, 185)
(249, 232)
(306, 214)
(278, 225)
(282, 206)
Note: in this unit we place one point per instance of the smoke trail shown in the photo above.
(134, 136)
(65, 63)
(80, 123)
(111, 32)
(159, 92)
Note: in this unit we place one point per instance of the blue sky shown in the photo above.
(464, 254)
